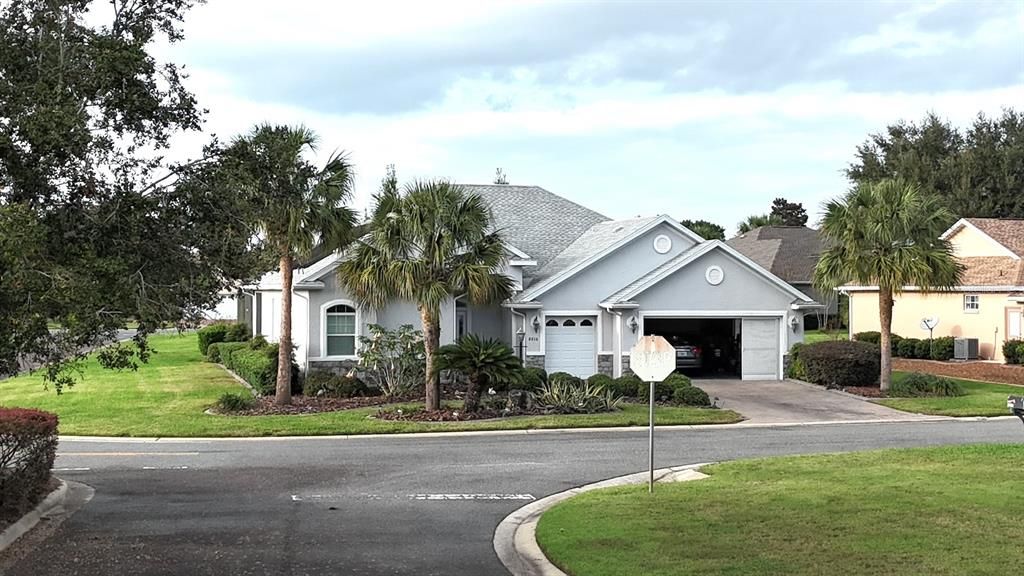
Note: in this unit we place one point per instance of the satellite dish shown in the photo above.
(929, 323)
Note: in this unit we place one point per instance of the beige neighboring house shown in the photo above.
(988, 303)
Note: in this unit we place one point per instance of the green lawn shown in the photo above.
(937, 511)
(167, 397)
(812, 336)
(982, 399)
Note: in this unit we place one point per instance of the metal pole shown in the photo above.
(650, 443)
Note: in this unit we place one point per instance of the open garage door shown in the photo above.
(570, 345)
(760, 348)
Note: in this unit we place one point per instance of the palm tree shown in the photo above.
(295, 206)
(429, 243)
(482, 362)
(886, 234)
(756, 221)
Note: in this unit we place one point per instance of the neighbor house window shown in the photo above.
(340, 327)
(972, 303)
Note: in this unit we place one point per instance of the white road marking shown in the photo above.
(71, 469)
(165, 467)
(296, 498)
(472, 497)
(125, 454)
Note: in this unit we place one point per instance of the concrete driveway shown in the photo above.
(795, 402)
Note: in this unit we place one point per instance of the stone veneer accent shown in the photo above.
(340, 367)
(535, 362)
(787, 360)
(605, 364)
(625, 366)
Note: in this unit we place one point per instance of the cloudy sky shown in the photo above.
(692, 109)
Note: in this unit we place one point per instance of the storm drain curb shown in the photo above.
(515, 538)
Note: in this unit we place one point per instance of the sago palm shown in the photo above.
(886, 234)
(482, 362)
(295, 206)
(427, 244)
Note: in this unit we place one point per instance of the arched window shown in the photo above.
(340, 330)
(586, 323)
(569, 322)
(551, 323)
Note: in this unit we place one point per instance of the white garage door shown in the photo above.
(760, 339)
(570, 345)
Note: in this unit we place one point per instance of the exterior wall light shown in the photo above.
(633, 324)
(794, 323)
(536, 323)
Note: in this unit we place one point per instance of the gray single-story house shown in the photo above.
(586, 288)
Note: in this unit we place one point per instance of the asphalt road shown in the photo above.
(383, 505)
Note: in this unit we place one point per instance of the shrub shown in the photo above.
(603, 380)
(942, 349)
(238, 332)
(662, 391)
(923, 349)
(628, 385)
(217, 351)
(258, 341)
(895, 340)
(296, 379)
(1013, 351)
(871, 337)
(330, 385)
(917, 384)
(255, 367)
(531, 379)
(232, 402)
(676, 380)
(563, 377)
(690, 396)
(907, 347)
(28, 446)
(841, 363)
(796, 368)
(395, 358)
(210, 334)
(565, 396)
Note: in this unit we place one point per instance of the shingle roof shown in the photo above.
(1009, 233)
(992, 271)
(595, 239)
(536, 221)
(789, 252)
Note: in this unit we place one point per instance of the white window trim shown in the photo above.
(976, 310)
(323, 330)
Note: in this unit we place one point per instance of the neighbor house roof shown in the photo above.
(789, 252)
(534, 220)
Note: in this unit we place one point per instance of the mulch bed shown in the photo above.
(313, 405)
(448, 415)
(865, 391)
(983, 371)
(12, 516)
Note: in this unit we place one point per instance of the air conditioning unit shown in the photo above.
(965, 348)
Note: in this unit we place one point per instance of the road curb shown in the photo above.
(515, 538)
(53, 502)
(532, 431)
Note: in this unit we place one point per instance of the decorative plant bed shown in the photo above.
(865, 391)
(311, 405)
(448, 414)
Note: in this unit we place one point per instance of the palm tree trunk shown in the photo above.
(284, 352)
(431, 342)
(474, 387)
(885, 303)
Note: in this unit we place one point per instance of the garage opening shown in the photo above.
(705, 347)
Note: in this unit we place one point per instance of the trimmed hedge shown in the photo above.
(871, 337)
(532, 379)
(628, 385)
(603, 380)
(211, 334)
(28, 447)
(676, 380)
(840, 363)
(1013, 351)
(663, 391)
(218, 350)
(918, 385)
(257, 365)
(691, 396)
(942, 349)
(796, 368)
(907, 348)
(923, 349)
(330, 385)
(559, 377)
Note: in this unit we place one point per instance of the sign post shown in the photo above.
(652, 359)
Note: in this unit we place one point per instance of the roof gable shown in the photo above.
(669, 268)
(987, 237)
(595, 244)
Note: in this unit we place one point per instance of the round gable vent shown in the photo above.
(662, 244)
(714, 275)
